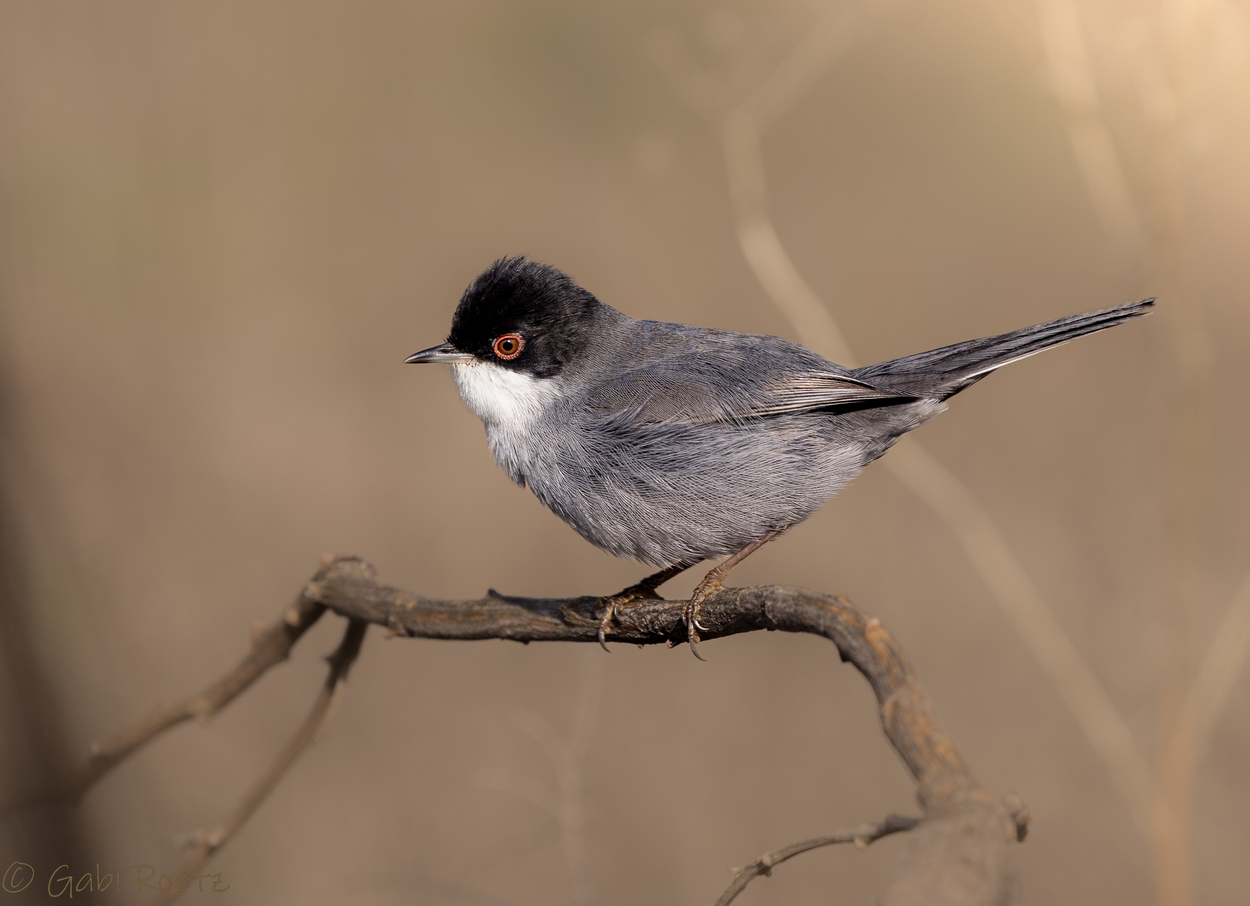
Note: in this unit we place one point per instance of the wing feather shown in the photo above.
(695, 391)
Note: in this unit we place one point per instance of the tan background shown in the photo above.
(222, 228)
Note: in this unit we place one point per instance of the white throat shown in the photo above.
(506, 400)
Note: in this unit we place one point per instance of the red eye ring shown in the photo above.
(509, 346)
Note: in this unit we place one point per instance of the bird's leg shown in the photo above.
(711, 582)
(644, 589)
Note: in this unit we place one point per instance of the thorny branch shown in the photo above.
(959, 851)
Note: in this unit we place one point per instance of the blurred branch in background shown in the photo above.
(1178, 50)
(1071, 78)
(960, 849)
(33, 742)
(565, 800)
(1160, 799)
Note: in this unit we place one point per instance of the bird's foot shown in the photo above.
(612, 603)
(690, 612)
(644, 589)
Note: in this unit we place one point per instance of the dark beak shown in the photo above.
(444, 352)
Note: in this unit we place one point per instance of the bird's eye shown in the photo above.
(509, 346)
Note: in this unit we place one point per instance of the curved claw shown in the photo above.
(692, 636)
(690, 616)
(608, 613)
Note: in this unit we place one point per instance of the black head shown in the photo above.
(519, 314)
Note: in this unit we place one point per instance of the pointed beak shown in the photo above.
(444, 352)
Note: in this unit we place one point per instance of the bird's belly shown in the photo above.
(665, 494)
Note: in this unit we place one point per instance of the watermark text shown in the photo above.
(62, 882)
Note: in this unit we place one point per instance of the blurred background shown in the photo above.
(222, 228)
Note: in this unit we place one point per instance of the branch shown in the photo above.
(271, 645)
(860, 836)
(347, 587)
(959, 852)
(1021, 601)
(204, 844)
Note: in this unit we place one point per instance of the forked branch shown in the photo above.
(204, 843)
(959, 850)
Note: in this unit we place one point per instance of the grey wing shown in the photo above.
(700, 389)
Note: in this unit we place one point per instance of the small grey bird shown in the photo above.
(670, 444)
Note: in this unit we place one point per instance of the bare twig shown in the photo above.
(206, 843)
(860, 836)
(271, 645)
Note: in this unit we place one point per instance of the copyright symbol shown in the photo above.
(18, 877)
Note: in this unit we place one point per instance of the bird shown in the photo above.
(671, 445)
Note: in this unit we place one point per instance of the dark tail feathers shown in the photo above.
(941, 373)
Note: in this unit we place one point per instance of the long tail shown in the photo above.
(941, 373)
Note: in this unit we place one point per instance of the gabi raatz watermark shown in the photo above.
(64, 883)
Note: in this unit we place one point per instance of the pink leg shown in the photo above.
(711, 582)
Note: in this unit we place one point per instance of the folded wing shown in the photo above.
(697, 390)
